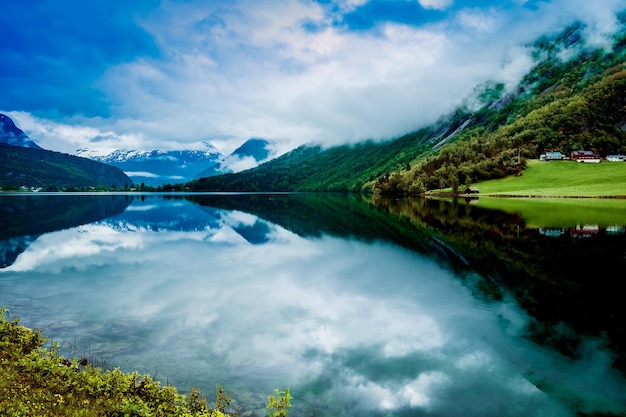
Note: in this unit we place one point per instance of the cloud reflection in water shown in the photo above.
(365, 328)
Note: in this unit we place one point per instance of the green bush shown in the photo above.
(35, 381)
(279, 403)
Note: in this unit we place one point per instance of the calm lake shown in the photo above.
(363, 308)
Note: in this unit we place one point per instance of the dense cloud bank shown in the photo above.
(138, 75)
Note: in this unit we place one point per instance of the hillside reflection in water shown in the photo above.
(399, 307)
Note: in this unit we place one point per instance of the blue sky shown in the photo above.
(171, 74)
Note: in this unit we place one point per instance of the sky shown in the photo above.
(175, 74)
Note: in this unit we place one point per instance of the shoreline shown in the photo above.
(490, 195)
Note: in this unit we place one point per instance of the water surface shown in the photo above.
(360, 308)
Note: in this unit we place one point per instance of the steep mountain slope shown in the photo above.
(255, 148)
(573, 98)
(311, 168)
(560, 105)
(54, 170)
(24, 163)
(248, 155)
(12, 135)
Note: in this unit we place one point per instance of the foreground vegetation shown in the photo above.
(35, 381)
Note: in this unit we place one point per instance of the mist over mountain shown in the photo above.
(150, 167)
(23, 163)
(254, 147)
(157, 167)
(247, 156)
(14, 136)
(572, 98)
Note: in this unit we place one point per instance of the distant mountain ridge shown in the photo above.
(39, 168)
(157, 167)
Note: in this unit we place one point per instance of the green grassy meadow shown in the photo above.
(554, 180)
(562, 179)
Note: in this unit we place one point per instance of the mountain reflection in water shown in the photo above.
(25, 216)
(362, 307)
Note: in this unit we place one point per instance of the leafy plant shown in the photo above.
(279, 403)
(35, 381)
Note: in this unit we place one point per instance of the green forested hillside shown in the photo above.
(562, 120)
(55, 171)
(310, 168)
(347, 168)
(564, 105)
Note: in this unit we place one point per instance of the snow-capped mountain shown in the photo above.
(157, 167)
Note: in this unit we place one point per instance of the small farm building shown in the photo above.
(552, 156)
(585, 156)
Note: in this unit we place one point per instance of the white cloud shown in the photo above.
(235, 218)
(479, 20)
(231, 71)
(346, 6)
(260, 74)
(237, 164)
(416, 394)
(76, 133)
(435, 4)
(141, 174)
